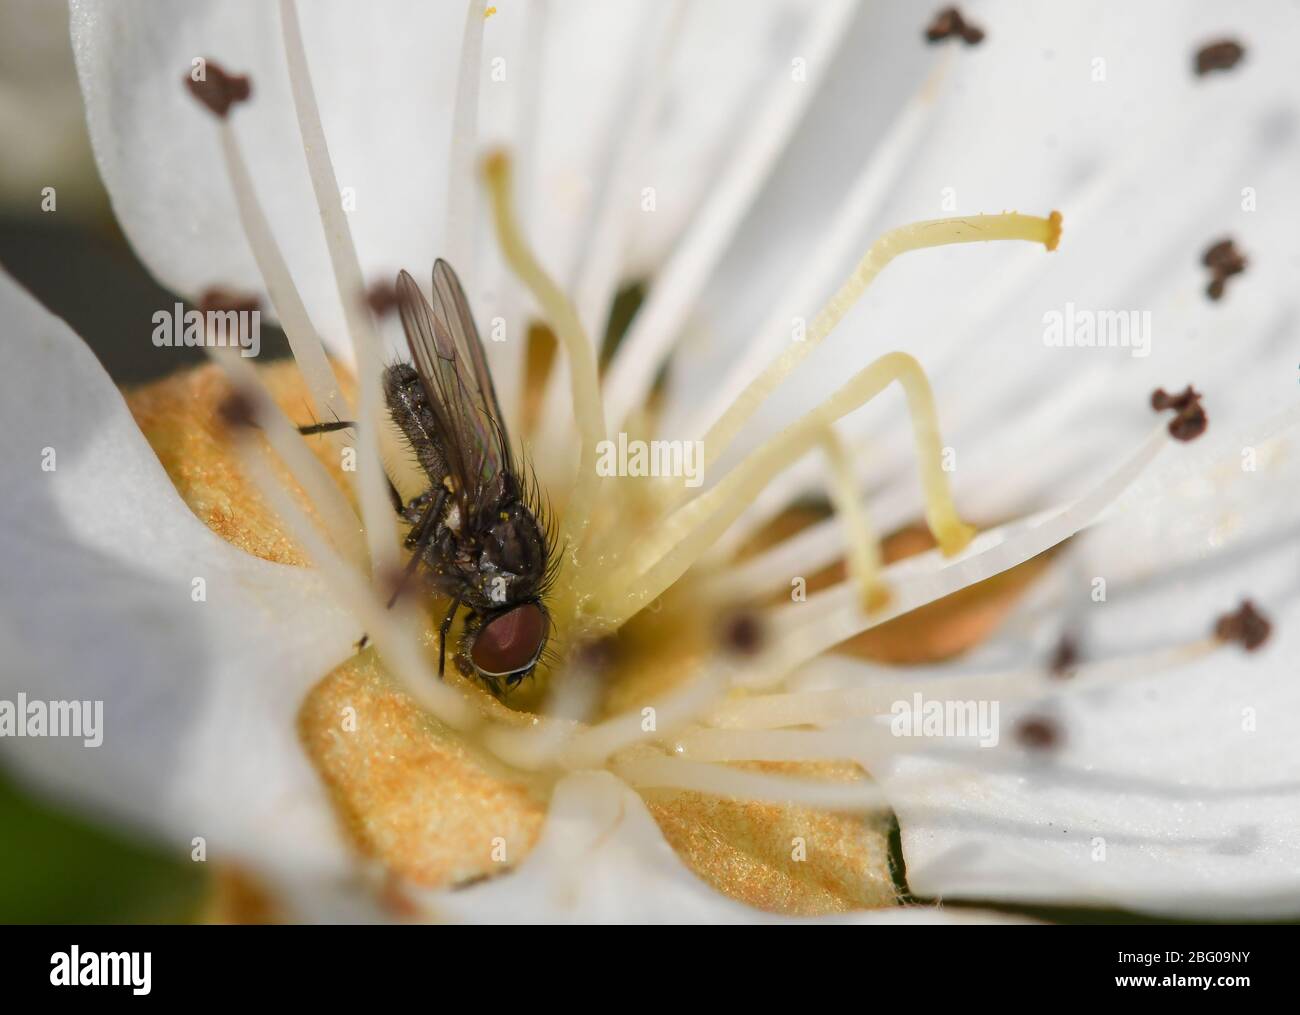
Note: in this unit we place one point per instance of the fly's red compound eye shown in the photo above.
(510, 641)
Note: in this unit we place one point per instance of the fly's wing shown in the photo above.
(452, 367)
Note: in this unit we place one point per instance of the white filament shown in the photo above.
(376, 508)
(680, 281)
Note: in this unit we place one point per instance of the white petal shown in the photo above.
(100, 554)
(1176, 793)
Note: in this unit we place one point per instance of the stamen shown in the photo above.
(649, 771)
(396, 642)
(680, 281)
(559, 312)
(509, 360)
(680, 540)
(873, 185)
(949, 23)
(218, 90)
(601, 263)
(218, 300)
(876, 696)
(1218, 56)
(462, 193)
(1084, 201)
(381, 298)
(859, 538)
(743, 633)
(250, 405)
(917, 236)
(848, 740)
(834, 614)
(1189, 421)
(237, 411)
(376, 509)
(1064, 658)
(593, 746)
(1039, 733)
(328, 401)
(1246, 627)
(1224, 261)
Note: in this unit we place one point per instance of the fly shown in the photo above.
(475, 533)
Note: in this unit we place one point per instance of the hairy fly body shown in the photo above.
(475, 533)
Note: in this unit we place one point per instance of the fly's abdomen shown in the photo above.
(409, 407)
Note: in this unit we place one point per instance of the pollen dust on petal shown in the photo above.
(179, 418)
(411, 792)
(784, 859)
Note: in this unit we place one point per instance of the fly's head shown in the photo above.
(499, 648)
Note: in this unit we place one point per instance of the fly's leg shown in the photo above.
(315, 428)
(418, 540)
(442, 636)
(409, 512)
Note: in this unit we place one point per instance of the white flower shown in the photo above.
(775, 146)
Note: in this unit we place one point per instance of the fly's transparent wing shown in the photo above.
(448, 356)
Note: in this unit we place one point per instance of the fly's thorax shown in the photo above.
(512, 552)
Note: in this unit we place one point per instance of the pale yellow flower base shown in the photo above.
(428, 808)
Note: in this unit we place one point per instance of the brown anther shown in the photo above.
(1222, 55)
(382, 298)
(226, 300)
(949, 22)
(1223, 256)
(743, 634)
(238, 410)
(1161, 399)
(1064, 657)
(1246, 627)
(1039, 733)
(218, 90)
(1190, 420)
(1224, 260)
